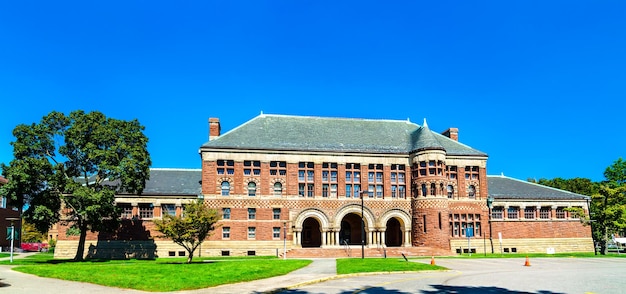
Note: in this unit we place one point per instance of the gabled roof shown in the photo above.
(307, 133)
(3, 180)
(501, 187)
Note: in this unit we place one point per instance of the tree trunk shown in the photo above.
(81, 244)
(190, 257)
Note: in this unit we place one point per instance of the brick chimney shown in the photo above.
(214, 128)
(452, 133)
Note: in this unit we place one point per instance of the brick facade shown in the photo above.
(426, 198)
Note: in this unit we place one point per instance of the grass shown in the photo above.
(358, 265)
(162, 275)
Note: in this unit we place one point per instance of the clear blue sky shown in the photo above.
(537, 85)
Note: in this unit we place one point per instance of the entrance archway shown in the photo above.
(393, 233)
(350, 232)
(311, 233)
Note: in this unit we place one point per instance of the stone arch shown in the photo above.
(403, 216)
(368, 216)
(219, 184)
(395, 226)
(476, 185)
(273, 182)
(315, 213)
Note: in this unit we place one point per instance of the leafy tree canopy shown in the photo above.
(582, 186)
(615, 174)
(77, 162)
(189, 230)
(30, 234)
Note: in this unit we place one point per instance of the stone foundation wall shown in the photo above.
(524, 245)
(163, 249)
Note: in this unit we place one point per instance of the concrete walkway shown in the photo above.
(16, 282)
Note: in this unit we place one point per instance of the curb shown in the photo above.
(315, 281)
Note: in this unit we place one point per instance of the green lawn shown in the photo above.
(358, 265)
(161, 275)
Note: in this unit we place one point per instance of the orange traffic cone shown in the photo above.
(527, 263)
(432, 260)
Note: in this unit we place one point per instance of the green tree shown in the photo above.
(31, 234)
(581, 186)
(615, 174)
(609, 208)
(76, 162)
(191, 229)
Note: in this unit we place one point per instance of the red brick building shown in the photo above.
(296, 183)
(9, 214)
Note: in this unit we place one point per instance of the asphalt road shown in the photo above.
(543, 276)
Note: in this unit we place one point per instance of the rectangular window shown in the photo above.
(278, 168)
(276, 232)
(225, 232)
(127, 210)
(251, 167)
(168, 209)
(251, 213)
(306, 176)
(451, 172)
(397, 181)
(496, 213)
(226, 213)
(560, 213)
(310, 189)
(353, 180)
(276, 213)
(146, 211)
(324, 190)
(251, 233)
(529, 212)
(471, 172)
(375, 175)
(3, 202)
(512, 212)
(544, 212)
(228, 165)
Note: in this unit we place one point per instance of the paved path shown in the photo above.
(16, 282)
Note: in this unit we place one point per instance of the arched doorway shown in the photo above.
(311, 233)
(350, 232)
(393, 233)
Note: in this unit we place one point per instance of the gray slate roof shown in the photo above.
(164, 182)
(307, 133)
(501, 187)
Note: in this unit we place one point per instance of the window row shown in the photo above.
(465, 225)
(531, 212)
(433, 190)
(438, 168)
(146, 210)
(252, 233)
(328, 190)
(252, 213)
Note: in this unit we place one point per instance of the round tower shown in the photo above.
(429, 191)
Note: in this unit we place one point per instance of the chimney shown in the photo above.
(214, 128)
(452, 133)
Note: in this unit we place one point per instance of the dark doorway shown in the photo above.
(311, 234)
(393, 233)
(350, 232)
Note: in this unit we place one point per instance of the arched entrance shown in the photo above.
(393, 233)
(311, 233)
(350, 232)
